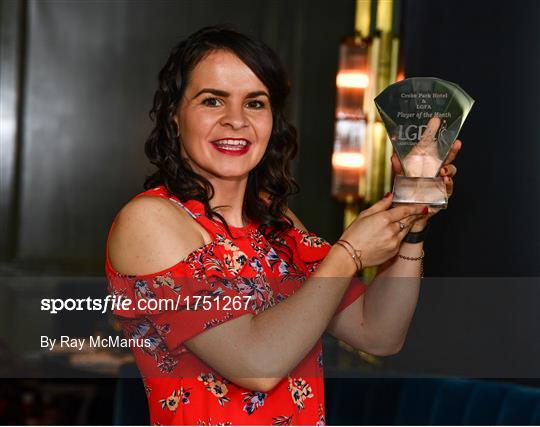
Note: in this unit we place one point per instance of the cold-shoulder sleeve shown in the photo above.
(311, 250)
(179, 303)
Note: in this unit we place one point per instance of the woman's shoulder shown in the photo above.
(308, 245)
(289, 213)
(297, 223)
(150, 234)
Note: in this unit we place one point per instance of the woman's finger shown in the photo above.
(403, 211)
(456, 146)
(433, 211)
(405, 224)
(449, 171)
(449, 183)
(429, 133)
(396, 164)
(380, 206)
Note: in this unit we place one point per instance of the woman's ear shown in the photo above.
(175, 120)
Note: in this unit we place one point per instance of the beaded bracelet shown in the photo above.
(420, 258)
(354, 253)
(410, 258)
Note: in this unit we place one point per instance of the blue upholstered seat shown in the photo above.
(444, 401)
(372, 401)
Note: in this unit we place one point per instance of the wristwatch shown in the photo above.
(416, 237)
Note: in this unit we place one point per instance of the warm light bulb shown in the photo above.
(348, 160)
(352, 79)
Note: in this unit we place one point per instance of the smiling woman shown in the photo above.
(220, 85)
(251, 290)
(224, 118)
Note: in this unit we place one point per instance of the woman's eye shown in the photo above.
(257, 104)
(211, 102)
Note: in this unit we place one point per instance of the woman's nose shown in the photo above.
(234, 117)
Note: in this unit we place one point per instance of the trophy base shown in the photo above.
(421, 190)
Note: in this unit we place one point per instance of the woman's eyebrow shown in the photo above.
(225, 94)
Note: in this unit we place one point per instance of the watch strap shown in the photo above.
(416, 237)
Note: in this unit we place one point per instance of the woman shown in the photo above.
(212, 231)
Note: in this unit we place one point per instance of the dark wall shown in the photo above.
(77, 80)
(491, 50)
(477, 314)
(84, 77)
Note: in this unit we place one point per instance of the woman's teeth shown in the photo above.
(230, 144)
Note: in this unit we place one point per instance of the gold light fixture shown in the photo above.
(348, 158)
(368, 62)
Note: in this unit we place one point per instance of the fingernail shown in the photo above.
(425, 211)
(388, 194)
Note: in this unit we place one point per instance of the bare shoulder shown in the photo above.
(150, 235)
(297, 223)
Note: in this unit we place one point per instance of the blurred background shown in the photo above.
(76, 84)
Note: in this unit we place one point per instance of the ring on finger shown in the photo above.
(401, 225)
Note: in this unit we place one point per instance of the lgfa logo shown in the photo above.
(412, 132)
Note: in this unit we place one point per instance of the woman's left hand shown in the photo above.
(448, 171)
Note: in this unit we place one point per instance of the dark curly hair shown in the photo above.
(272, 175)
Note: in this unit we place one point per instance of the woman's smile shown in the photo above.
(232, 146)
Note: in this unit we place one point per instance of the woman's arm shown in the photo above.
(385, 332)
(378, 321)
(380, 318)
(272, 343)
(252, 351)
(391, 299)
(257, 351)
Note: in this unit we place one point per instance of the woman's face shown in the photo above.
(224, 118)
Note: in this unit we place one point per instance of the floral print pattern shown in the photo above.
(282, 420)
(177, 397)
(254, 399)
(312, 241)
(179, 386)
(217, 387)
(167, 280)
(300, 391)
(210, 423)
(214, 322)
(322, 420)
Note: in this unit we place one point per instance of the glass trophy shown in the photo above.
(423, 117)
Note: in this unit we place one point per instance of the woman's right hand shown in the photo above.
(377, 233)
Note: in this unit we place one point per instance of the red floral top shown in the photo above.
(209, 287)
